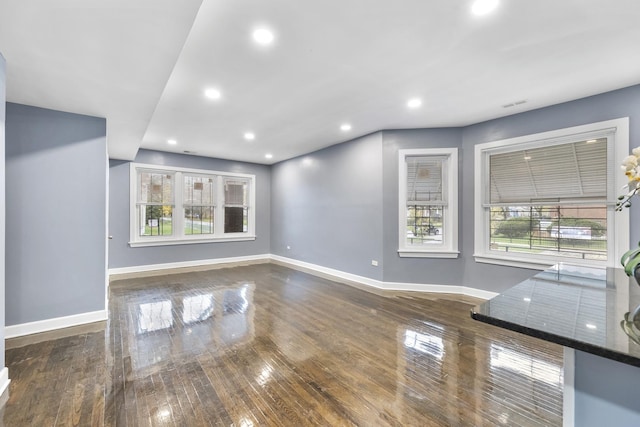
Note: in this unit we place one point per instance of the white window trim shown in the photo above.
(141, 241)
(617, 222)
(449, 248)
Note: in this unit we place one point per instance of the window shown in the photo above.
(177, 206)
(548, 198)
(428, 195)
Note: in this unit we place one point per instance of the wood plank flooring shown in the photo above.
(264, 345)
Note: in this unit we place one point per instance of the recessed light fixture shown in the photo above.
(172, 141)
(263, 36)
(483, 7)
(527, 157)
(345, 127)
(249, 136)
(526, 299)
(268, 156)
(212, 93)
(591, 326)
(414, 103)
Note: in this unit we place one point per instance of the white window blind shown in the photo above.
(424, 181)
(155, 188)
(235, 192)
(198, 191)
(566, 173)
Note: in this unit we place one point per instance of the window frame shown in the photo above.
(617, 132)
(449, 247)
(178, 237)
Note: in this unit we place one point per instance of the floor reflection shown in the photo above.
(267, 345)
(190, 323)
(525, 365)
(153, 316)
(424, 343)
(197, 308)
(440, 369)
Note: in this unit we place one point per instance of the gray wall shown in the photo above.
(3, 108)
(56, 165)
(327, 207)
(314, 210)
(606, 392)
(122, 255)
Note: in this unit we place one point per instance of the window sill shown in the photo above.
(408, 253)
(144, 243)
(533, 264)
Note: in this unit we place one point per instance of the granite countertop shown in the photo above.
(574, 306)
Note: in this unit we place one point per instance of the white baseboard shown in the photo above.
(391, 286)
(55, 323)
(185, 264)
(4, 383)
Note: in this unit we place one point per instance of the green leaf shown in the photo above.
(632, 264)
(628, 255)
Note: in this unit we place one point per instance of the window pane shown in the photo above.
(198, 190)
(198, 220)
(236, 219)
(569, 231)
(424, 178)
(424, 225)
(156, 188)
(155, 220)
(235, 192)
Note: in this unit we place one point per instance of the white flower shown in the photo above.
(631, 168)
(630, 162)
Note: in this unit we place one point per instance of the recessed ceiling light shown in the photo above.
(263, 36)
(268, 156)
(345, 127)
(172, 141)
(414, 103)
(212, 93)
(527, 157)
(249, 136)
(591, 326)
(483, 7)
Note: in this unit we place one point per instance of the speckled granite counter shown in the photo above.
(578, 307)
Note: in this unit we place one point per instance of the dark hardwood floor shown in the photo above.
(266, 345)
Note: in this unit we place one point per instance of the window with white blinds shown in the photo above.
(428, 203)
(424, 180)
(566, 173)
(179, 205)
(550, 197)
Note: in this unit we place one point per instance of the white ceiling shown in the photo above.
(144, 65)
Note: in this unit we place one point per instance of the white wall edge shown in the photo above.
(55, 323)
(185, 264)
(569, 395)
(390, 286)
(4, 380)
